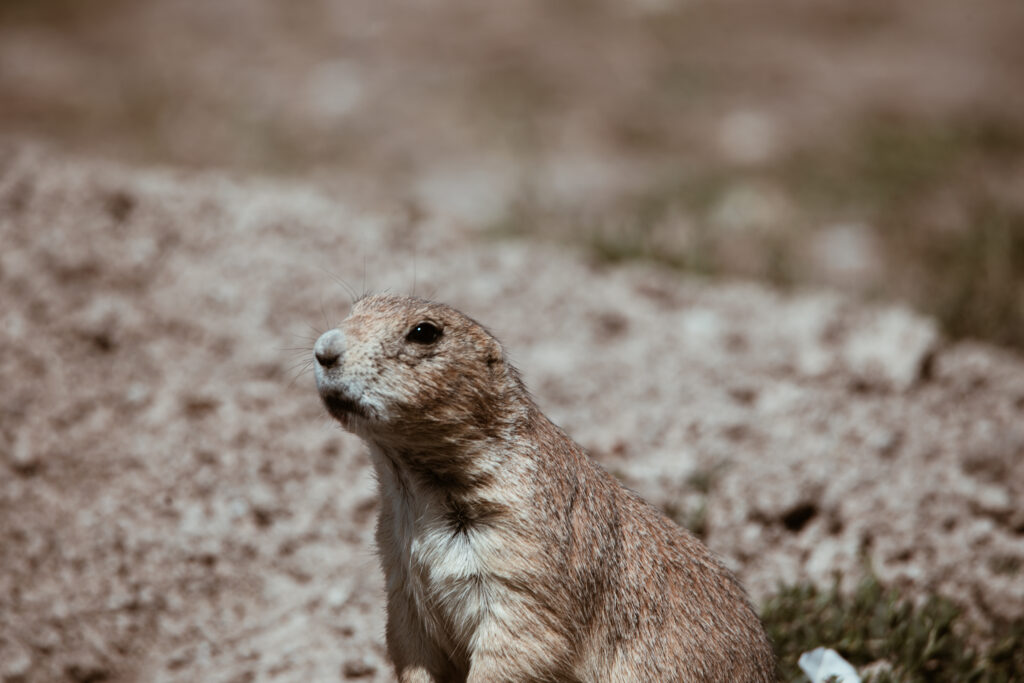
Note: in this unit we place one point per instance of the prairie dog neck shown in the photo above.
(492, 478)
(444, 548)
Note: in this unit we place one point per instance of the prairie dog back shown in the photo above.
(508, 554)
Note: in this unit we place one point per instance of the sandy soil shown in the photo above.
(175, 505)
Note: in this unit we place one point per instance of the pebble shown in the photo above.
(86, 668)
(890, 349)
(337, 596)
(22, 457)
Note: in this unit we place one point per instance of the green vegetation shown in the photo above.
(905, 641)
(937, 198)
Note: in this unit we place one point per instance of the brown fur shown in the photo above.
(509, 554)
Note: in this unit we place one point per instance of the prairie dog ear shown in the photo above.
(494, 353)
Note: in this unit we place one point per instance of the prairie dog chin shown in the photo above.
(508, 554)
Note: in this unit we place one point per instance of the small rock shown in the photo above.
(337, 596)
(701, 326)
(884, 441)
(137, 394)
(14, 326)
(87, 669)
(890, 350)
(237, 508)
(59, 608)
(993, 500)
(357, 668)
(180, 659)
(21, 456)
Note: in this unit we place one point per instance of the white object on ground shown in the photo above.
(821, 663)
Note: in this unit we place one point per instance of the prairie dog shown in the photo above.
(508, 554)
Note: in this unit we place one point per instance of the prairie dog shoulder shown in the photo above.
(508, 553)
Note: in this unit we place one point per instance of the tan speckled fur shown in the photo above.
(509, 555)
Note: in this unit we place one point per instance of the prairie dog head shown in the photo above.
(411, 373)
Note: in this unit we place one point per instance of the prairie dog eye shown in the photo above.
(424, 333)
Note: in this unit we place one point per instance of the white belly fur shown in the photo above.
(446, 574)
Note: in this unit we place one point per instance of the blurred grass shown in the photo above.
(953, 245)
(904, 641)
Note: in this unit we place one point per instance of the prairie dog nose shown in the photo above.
(329, 348)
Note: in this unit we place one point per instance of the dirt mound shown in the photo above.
(174, 504)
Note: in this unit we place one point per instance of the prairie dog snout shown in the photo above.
(329, 348)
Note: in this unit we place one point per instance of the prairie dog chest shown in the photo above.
(444, 565)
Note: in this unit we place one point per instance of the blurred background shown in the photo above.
(873, 146)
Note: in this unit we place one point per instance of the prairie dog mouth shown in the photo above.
(341, 406)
